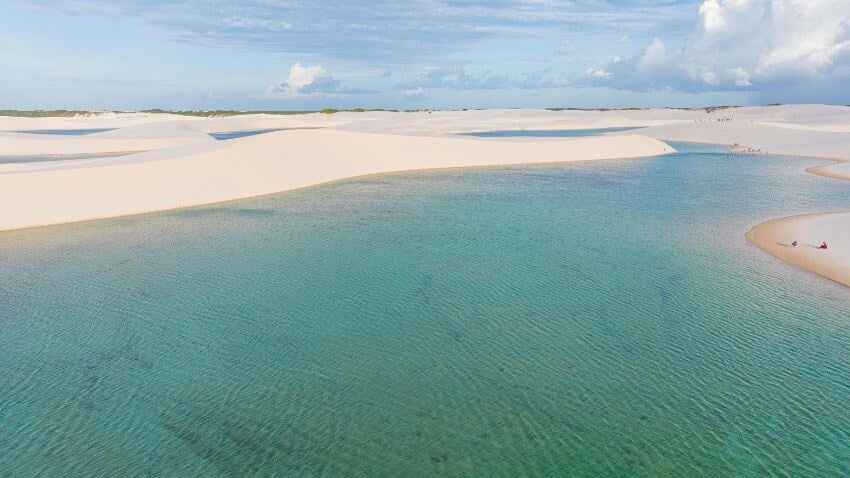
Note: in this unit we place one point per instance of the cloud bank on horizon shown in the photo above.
(746, 45)
(443, 53)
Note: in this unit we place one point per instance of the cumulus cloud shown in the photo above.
(712, 14)
(742, 78)
(746, 44)
(309, 81)
(414, 92)
(300, 77)
(597, 72)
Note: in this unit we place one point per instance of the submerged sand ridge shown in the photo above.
(840, 169)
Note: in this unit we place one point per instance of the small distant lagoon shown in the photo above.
(242, 134)
(68, 132)
(540, 133)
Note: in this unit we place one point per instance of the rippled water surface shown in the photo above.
(594, 319)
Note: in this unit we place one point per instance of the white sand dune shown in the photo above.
(136, 133)
(93, 121)
(768, 139)
(830, 128)
(52, 193)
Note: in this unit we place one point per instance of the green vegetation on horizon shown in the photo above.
(44, 114)
(216, 113)
(221, 113)
(199, 113)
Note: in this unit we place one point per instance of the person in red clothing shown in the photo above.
(823, 246)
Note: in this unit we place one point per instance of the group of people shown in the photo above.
(821, 246)
(750, 150)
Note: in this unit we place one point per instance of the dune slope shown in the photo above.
(46, 193)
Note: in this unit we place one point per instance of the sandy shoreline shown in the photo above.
(839, 169)
(809, 230)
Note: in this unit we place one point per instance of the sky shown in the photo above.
(418, 54)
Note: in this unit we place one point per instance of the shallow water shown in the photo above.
(555, 133)
(241, 134)
(72, 132)
(587, 319)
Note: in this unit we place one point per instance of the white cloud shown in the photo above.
(744, 44)
(711, 12)
(623, 39)
(414, 93)
(709, 78)
(305, 81)
(653, 56)
(742, 78)
(301, 76)
(597, 72)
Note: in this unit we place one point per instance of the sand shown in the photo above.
(837, 170)
(809, 231)
(180, 165)
(58, 192)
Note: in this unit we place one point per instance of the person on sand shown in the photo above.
(823, 246)
(794, 243)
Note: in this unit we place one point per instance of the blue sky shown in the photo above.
(292, 54)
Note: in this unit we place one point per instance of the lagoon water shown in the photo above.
(67, 132)
(224, 136)
(588, 319)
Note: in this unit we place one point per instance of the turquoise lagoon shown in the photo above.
(592, 319)
(227, 135)
(224, 136)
